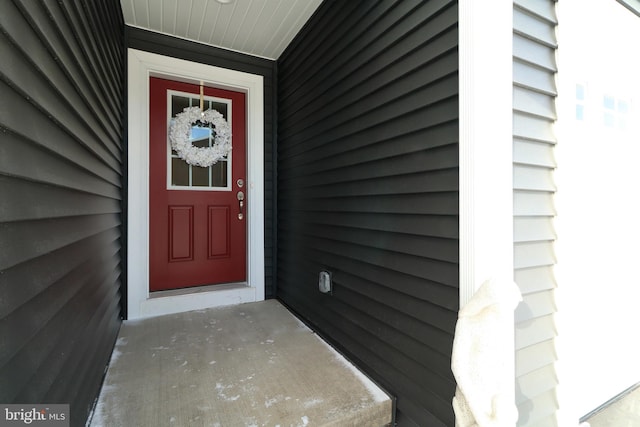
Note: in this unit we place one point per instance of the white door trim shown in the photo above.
(142, 65)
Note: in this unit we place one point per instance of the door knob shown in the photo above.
(240, 196)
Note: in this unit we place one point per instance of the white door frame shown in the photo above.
(140, 303)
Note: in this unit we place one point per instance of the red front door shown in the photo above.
(197, 232)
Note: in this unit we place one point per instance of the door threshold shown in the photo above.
(188, 299)
(197, 289)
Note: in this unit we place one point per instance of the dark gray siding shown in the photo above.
(368, 189)
(61, 91)
(183, 49)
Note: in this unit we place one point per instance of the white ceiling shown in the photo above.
(257, 27)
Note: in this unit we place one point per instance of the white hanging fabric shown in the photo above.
(482, 344)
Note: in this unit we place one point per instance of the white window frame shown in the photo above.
(228, 160)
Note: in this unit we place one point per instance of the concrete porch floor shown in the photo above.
(246, 365)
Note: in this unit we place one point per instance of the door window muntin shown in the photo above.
(182, 176)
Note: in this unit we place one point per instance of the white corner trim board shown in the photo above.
(142, 65)
(486, 139)
(486, 158)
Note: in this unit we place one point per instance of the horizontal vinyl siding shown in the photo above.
(61, 175)
(183, 49)
(368, 189)
(533, 163)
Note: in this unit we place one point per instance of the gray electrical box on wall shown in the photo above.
(324, 282)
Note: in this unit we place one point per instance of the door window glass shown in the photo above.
(184, 176)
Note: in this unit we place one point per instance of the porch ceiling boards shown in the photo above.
(256, 27)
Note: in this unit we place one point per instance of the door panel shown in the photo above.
(180, 233)
(196, 235)
(218, 233)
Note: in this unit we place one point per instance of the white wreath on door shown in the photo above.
(180, 137)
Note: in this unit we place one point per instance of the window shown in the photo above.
(580, 101)
(182, 175)
(615, 112)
